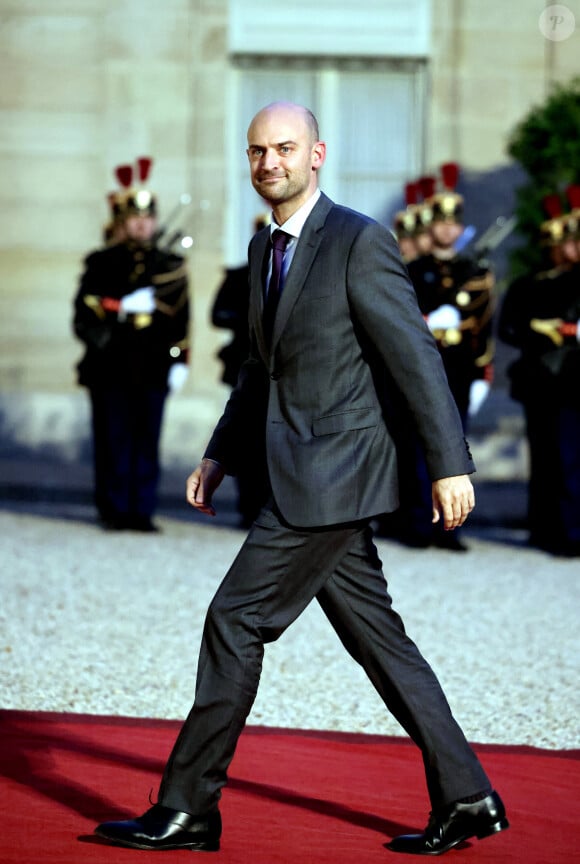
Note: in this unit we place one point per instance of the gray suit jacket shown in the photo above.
(349, 348)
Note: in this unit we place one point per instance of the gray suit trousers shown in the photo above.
(276, 574)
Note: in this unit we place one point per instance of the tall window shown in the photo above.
(371, 115)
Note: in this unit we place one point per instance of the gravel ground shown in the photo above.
(101, 623)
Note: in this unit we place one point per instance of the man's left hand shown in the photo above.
(453, 500)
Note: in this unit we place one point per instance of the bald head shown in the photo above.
(291, 109)
(285, 155)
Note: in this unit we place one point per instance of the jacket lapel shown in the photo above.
(308, 244)
(259, 248)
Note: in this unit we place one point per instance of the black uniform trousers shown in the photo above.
(553, 432)
(276, 574)
(126, 424)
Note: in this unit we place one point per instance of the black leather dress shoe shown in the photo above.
(451, 827)
(164, 828)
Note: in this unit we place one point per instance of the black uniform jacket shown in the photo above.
(134, 350)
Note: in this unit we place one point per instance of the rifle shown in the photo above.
(178, 235)
(493, 236)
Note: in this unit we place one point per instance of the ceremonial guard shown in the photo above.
(132, 314)
(540, 316)
(424, 214)
(456, 297)
(405, 224)
(411, 225)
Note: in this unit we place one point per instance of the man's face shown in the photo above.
(424, 242)
(140, 227)
(570, 251)
(445, 234)
(283, 157)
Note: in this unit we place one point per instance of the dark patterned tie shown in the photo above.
(279, 242)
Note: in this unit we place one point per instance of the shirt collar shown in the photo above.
(295, 223)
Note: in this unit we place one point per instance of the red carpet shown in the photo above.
(300, 797)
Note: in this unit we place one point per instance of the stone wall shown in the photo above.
(94, 83)
(490, 64)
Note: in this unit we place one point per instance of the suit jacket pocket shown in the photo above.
(345, 421)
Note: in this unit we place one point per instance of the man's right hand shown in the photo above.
(453, 499)
(202, 484)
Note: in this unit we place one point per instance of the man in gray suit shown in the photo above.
(345, 343)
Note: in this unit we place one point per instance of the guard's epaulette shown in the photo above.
(170, 275)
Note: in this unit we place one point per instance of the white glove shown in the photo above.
(177, 376)
(141, 301)
(444, 318)
(478, 393)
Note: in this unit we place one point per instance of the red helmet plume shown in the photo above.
(124, 174)
(144, 164)
(573, 196)
(552, 205)
(450, 175)
(427, 186)
(411, 193)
